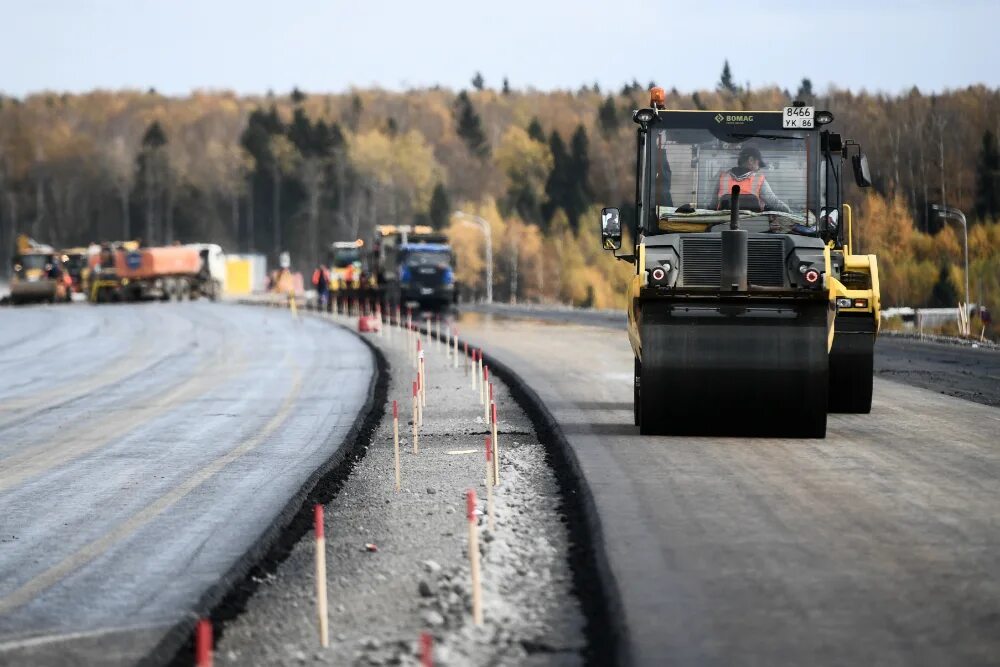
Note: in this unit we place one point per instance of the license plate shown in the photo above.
(798, 118)
(426, 290)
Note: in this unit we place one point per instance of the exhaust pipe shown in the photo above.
(734, 248)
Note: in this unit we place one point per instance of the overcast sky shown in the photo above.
(252, 46)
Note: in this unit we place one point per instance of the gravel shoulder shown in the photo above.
(418, 578)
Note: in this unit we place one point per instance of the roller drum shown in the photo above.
(711, 369)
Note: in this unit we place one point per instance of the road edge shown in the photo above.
(227, 598)
(605, 631)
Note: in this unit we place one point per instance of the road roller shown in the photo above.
(749, 314)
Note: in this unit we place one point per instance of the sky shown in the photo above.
(252, 46)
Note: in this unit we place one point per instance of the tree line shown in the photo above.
(297, 171)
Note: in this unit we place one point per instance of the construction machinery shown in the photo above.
(128, 272)
(413, 265)
(38, 274)
(749, 313)
(344, 260)
(74, 262)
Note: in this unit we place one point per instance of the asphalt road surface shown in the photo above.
(144, 451)
(878, 545)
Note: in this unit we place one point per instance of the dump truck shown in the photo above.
(37, 274)
(749, 312)
(412, 266)
(126, 272)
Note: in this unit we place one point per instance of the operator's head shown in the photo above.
(751, 159)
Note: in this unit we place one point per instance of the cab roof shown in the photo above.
(733, 121)
(426, 247)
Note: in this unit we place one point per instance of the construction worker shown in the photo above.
(321, 281)
(746, 174)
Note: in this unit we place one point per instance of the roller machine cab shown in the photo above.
(748, 312)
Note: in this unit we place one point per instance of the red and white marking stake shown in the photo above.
(465, 363)
(489, 482)
(482, 384)
(324, 624)
(420, 404)
(496, 445)
(203, 643)
(483, 394)
(490, 402)
(423, 382)
(416, 415)
(454, 355)
(477, 595)
(395, 439)
(426, 650)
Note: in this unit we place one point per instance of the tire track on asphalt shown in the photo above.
(27, 464)
(135, 361)
(30, 589)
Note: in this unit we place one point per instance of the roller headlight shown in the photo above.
(644, 116)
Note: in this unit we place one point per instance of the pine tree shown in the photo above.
(726, 83)
(150, 183)
(506, 86)
(805, 93)
(470, 126)
(580, 159)
(696, 100)
(579, 178)
(154, 136)
(354, 117)
(298, 97)
(567, 186)
(535, 130)
(477, 81)
(943, 295)
(391, 127)
(557, 185)
(607, 117)
(300, 132)
(988, 179)
(440, 208)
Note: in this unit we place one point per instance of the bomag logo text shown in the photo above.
(733, 118)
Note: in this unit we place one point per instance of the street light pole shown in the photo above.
(950, 213)
(484, 226)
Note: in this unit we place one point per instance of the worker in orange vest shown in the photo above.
(755, 192)
(321, 281)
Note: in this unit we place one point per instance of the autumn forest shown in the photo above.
(298, 170)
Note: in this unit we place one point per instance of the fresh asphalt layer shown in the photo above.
(971, 372)
(877, 545)
(145, 451)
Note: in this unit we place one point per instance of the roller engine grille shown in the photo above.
(701, 262)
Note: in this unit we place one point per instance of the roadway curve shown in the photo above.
(878, 545)
(145, 451)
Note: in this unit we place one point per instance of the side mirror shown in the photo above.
(862, 175)
(611, 229)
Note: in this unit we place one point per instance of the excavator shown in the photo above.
(749, 312)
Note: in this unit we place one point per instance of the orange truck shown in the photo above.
(123, 273)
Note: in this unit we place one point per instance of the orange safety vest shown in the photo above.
(752, 183)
